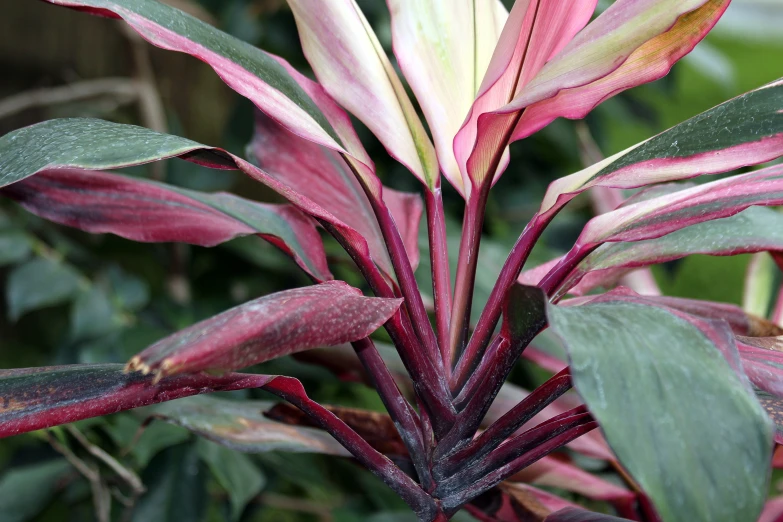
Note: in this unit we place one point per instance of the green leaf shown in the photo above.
(155, 437)
(176, 488)
(90, 144)
(40, 283)
(235, 472)
(131, 291)
(25, 491)
(671, 407)
(92, 315)
(14, 247)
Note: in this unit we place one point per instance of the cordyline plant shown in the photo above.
(676, 386)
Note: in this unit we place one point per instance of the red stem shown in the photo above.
(491, 314)
(407, 281)
(429, 383)
(441, 271)
(559, 273)
(498, 368)
(470, 418)
(472, 224)
(476, 378)
(292, 391)
(405, 419)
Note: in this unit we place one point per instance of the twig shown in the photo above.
(124, 90)
(153, 114)
(127, 475)
(100, 494)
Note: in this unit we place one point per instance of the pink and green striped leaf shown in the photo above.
(251, 72)
(647, 63)
(148, 211)
(665, 214)
(36, 398)
(774, 408)
(276, 88)
(762, 358)
(324, 177)
(96, 144)
(743, 131)
(740, 322)
(269, 327)
(443, 48)
(242, 426)
(350, 63)
(632, 42)
(773, 510)
(755, 229)
(654, 379)
(535, 31)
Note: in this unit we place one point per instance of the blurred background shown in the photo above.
(69, 297)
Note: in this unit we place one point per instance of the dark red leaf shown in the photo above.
(269, 327)
(36, 398)
(148, 211)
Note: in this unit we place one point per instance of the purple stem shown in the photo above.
(441, 271)
(400, 411)
(469, 390)
(506, 425)
(467, 263)
(498, 367)
(491, 314)
(292, 391)
(407, 281)
(514, 448)
(429, 383)
(453, 502)
(559, 273)
(469, 419)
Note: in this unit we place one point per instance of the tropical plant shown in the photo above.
(676, 386)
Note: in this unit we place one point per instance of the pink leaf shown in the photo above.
(147, 211)
(665, 214)
(325, 178)
(443, 48)
(743, 131)
(553, 472)
(591, 444)
(351, 64)
(651, 61)
(269, 327)
(535, 31)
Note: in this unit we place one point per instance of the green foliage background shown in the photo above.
(68, 297)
